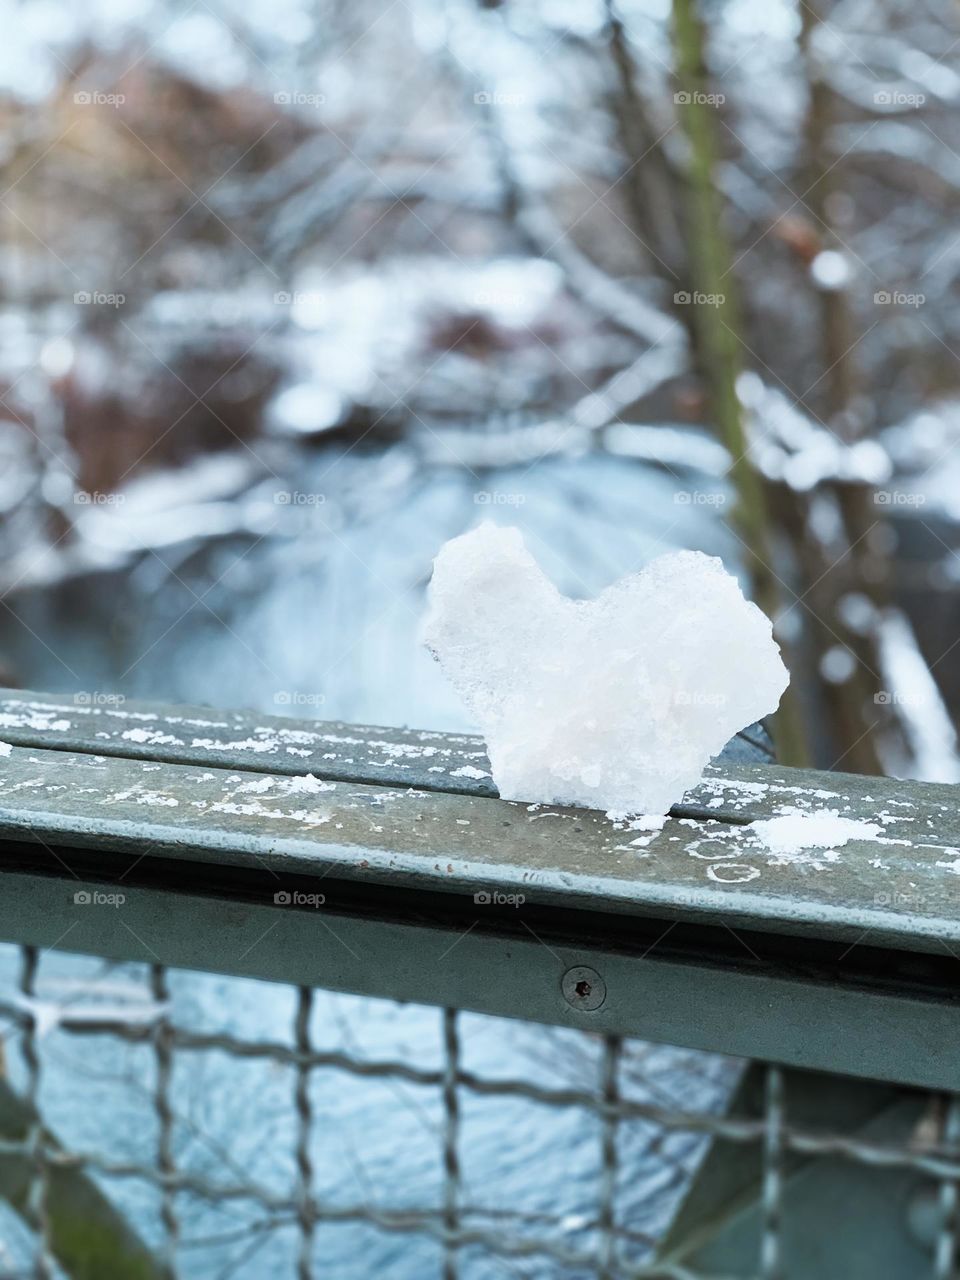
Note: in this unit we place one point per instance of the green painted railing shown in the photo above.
(381, 862)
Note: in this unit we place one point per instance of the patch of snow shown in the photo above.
(33, 721)
(825, 829)
(305, 785)
(242, 744)
(953, 866)
(153, 737)
(468, 771)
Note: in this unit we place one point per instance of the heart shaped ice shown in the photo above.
(615, 703)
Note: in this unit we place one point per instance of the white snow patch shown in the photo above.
(38, 721)
(953, 866)
(242, 744)
(151, 736)
(792, 833)
(468, 771)
(305, 785)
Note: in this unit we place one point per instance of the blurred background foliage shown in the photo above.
(292, 292)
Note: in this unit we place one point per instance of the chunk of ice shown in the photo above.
(615, 703)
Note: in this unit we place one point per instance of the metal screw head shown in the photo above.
(583, 988)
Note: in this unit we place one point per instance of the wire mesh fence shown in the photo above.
(466, 1237)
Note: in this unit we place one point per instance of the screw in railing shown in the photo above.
(583, 988)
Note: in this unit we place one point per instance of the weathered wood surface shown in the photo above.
(900, 885)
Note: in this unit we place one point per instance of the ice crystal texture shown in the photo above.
(615, 703)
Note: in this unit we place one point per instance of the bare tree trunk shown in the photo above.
(853, 710)
(717, 329)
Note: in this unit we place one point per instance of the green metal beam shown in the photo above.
(845, 964)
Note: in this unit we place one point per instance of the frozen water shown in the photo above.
(615, 703)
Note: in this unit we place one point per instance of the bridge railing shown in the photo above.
(380, 862)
